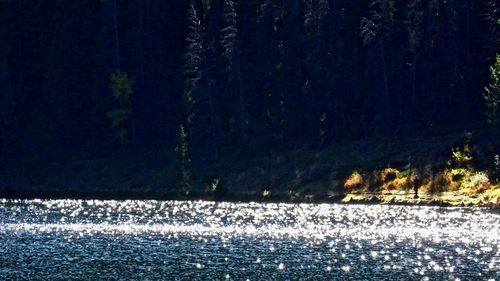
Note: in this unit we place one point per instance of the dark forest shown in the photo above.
(197, 82)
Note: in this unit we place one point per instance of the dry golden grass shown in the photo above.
(355, 183)
(459, 186)
(388, 175)
(394, 180)
(404, 182)
(492, 194)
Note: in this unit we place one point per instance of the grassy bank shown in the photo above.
(489, 199)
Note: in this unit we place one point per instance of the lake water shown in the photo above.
(174, 240)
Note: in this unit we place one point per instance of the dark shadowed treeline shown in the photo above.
(88, 78)
(57, 58)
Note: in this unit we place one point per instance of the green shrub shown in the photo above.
(266, 194)
(462, 157)
(476, 180)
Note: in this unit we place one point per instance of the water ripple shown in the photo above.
(174, 240)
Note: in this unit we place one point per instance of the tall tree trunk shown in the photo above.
(117, 38)
(140, 19)
(413, 81)
(212, 122)
(334, 122)
(465, 79)
(211, 108)
(241, 100)
(150, 20)
(384, 70)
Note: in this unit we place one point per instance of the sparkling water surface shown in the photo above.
(195, 240)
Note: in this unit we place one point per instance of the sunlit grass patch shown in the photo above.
(351, 198)
(491, 195)
(403, 182)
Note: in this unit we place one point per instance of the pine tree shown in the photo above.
(492, 94)
(413, 24)
(110, 34)
(193, 65)
(231, 53)
(378, 27)
(184, 160)
(116, 34)
(491, 14)
(197, 91)
(454, 50)
(193, 62)
(320, 73)
(275, 77)
(375, 31)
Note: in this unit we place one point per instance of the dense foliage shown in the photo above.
(235, 75)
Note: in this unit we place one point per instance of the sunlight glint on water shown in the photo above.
(206, 240)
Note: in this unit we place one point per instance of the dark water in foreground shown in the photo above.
(151, 240)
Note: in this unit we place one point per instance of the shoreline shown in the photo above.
(371, 171)
(372, 198)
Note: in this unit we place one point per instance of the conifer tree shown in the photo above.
(231, 53)
(272, 13)
(110, 33)
(184, 160)
(116, 34)
(193, 64)
(198, 94)
(413, 23)
(375, 31)
(319, 72)
(491, 14)
(492, 93)
(377, 27)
